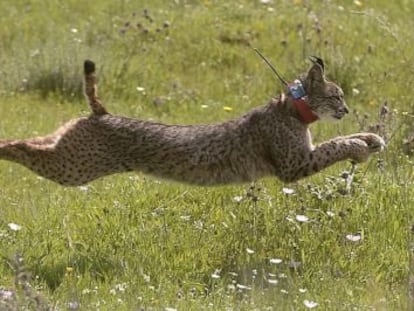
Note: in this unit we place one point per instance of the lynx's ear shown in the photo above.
(315, 78)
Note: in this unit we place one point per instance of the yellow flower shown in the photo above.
(227, 108)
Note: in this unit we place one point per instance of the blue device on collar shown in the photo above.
(296, 89)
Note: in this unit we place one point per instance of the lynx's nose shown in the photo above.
(344, 109)
(341, 112)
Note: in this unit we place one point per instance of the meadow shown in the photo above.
(339, 240)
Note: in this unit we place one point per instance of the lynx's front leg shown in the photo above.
(356, 147)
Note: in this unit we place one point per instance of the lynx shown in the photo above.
(273, 140)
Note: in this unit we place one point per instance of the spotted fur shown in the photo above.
(268, 141)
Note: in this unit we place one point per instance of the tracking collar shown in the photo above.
(298, 93)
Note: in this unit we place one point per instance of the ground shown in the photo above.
(134, 242)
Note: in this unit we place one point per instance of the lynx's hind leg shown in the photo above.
(91, 89)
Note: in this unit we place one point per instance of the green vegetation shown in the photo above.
(131, 242)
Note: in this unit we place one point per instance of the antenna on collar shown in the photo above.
(296, 87)
(271, 67)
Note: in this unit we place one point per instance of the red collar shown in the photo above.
(306, 114)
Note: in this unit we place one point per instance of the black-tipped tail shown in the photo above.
(91, 89)
(88, 67)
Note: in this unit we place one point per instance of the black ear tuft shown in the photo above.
(88, 66)
(315, 79)
(318, 60)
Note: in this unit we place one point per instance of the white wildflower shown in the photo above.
(83, 188)
(249, 251)
(121, 287)
(275, 261)
(310, 304)
(288, 190)
(14, 227)
(216, 274)
(353, 237)
(302, 218)
(238, 198)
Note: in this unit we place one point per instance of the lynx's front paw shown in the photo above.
(375, 143)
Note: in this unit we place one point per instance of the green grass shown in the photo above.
(131, 242)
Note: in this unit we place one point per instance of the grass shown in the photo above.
(131, 242)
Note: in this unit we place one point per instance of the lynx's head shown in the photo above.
(325, 98)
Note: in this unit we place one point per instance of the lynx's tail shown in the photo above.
(91, 89)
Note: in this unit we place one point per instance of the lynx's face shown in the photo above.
(326, 99)
(329, 105)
